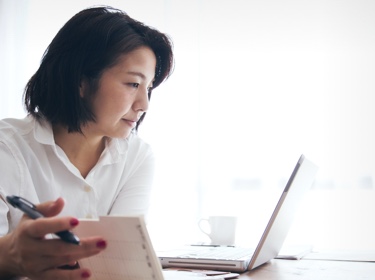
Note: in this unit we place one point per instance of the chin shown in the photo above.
(122, 135)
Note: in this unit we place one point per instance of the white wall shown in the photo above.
(256, 83)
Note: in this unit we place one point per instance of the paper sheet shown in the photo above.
(129, 254)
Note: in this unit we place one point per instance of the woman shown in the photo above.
(77, 154)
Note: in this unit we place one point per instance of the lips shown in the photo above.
(132, 123)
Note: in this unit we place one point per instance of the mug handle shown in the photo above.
(201, 222)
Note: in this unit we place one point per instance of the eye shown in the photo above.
(135, 85)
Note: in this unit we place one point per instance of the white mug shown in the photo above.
(220, 229)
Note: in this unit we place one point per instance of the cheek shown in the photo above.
(120, 103)
(115, 107)
(110, 102)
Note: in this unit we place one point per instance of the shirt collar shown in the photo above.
(116, 147)
(43, 131)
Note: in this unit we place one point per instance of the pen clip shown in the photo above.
(17, 201)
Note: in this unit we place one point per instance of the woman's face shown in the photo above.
(122, 96)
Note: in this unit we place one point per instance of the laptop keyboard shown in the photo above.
(224, 253)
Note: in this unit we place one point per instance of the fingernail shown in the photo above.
(74, 222)
(85, 274)
(101, 244)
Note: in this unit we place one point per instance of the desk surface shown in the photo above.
(312, 269)
(307, 269)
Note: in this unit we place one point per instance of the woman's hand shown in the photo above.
(27, 251)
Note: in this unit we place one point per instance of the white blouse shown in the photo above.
(34, 167)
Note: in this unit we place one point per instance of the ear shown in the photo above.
(82, 88)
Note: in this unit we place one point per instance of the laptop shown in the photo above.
(237, 259)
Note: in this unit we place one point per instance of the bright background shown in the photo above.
(256, 83)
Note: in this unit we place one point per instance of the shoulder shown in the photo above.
(14, 134)
(135, 141)
(139, 149)
(131, 144)
(131, 148)
(12, 145)
(27, 128)
(25, 133)
(22, 140)
(11, 127)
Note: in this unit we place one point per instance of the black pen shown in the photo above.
(30, 210)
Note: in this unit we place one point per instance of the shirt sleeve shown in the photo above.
(134, 196)
(10, 184)
(4, 226)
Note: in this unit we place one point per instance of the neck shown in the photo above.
(83, 151)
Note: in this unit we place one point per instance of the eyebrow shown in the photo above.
(139, 74)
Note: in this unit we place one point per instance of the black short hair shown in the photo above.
(90, 42)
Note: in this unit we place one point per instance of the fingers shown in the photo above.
(33, 255)
(42, 256)
(43, 226)
(60, 274)
(56, 253)
(51, 208)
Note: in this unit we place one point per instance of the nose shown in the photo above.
(141, 101)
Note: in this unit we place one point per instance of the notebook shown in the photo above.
(236, 259)
(129, 254)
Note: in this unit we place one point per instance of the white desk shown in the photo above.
(310, 269)
(307, 269)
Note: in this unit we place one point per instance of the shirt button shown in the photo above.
(87, 188)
